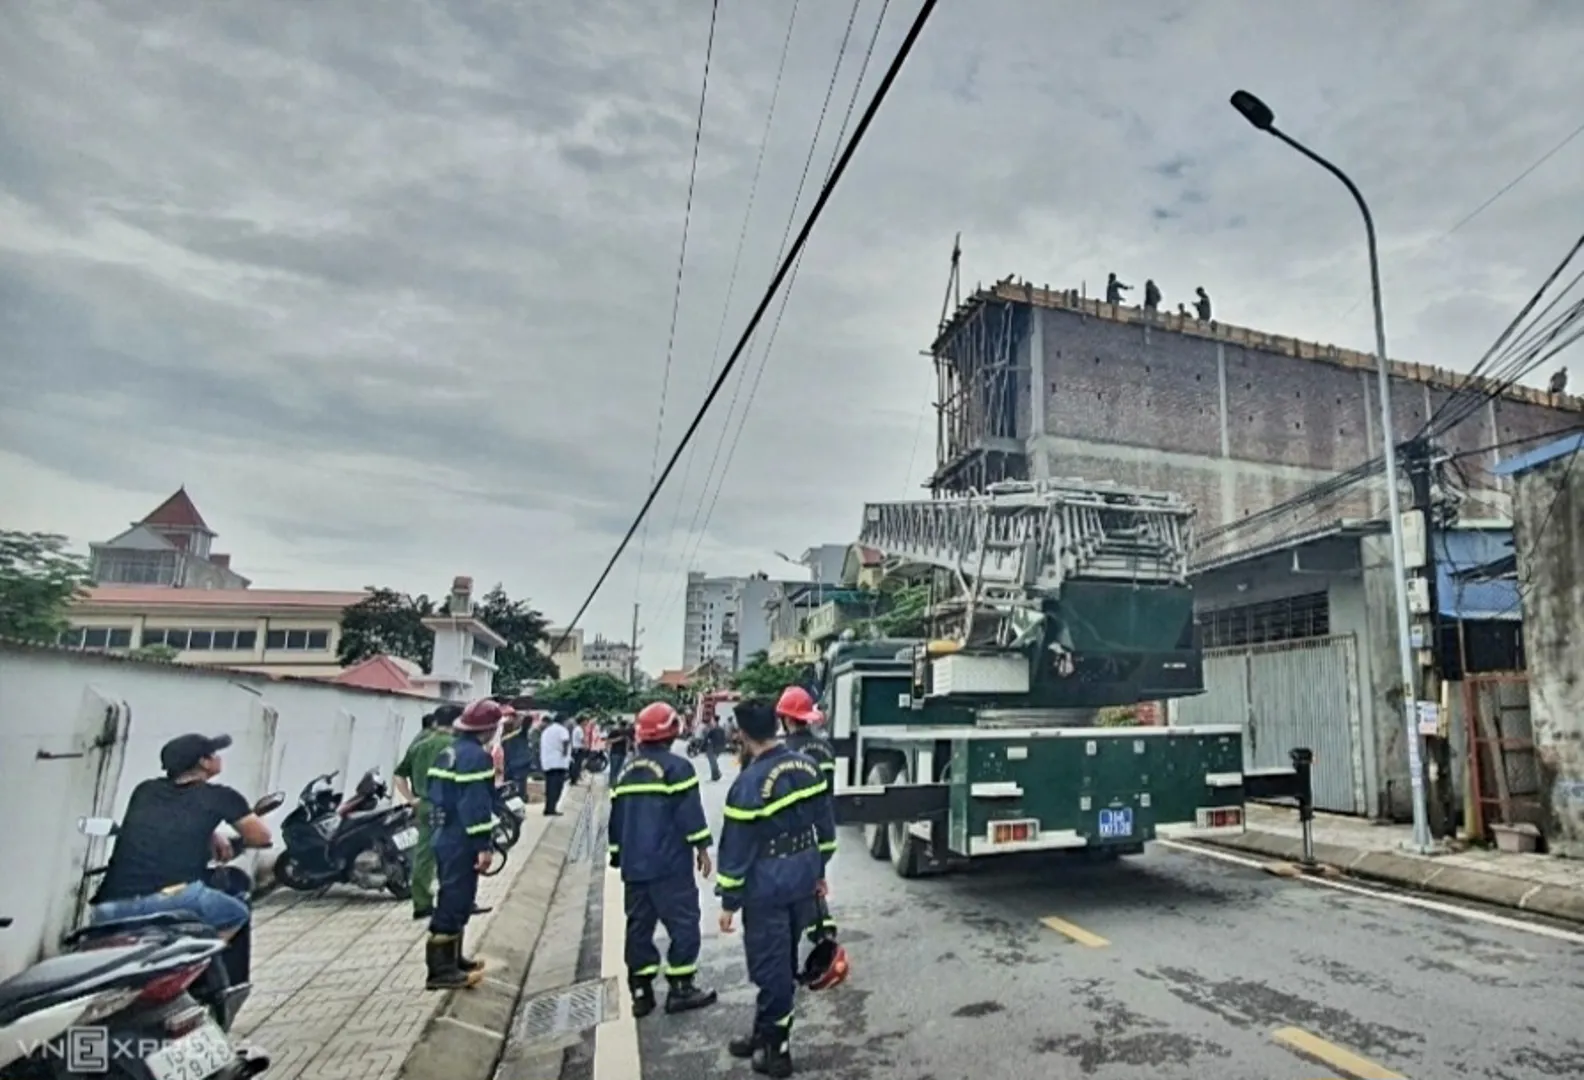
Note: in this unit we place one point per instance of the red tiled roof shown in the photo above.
(378, 672)
(676, 677)
(155, 596)
(177, 512)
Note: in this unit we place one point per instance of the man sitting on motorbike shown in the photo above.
(168, 836)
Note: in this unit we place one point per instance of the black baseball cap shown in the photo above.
(184, 752)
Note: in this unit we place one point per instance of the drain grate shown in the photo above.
(569, 1011)
(584, 833)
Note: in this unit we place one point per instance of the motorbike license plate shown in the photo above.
(192, 1057)
(405, 839)
(516, 805)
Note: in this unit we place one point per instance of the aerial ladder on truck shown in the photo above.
(1051, 603)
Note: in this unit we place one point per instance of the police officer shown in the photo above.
(777, 823)
(658, 835)
(412, 780)
(462, 800)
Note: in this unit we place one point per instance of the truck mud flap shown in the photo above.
(897, 802)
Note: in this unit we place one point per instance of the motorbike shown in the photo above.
(122, 1012)
(363, 841)
(695, 745)
(510, 811)
(223, 987)
(595, 761)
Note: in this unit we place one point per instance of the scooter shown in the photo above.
(225, 985)
(123, 1012)
(358, 842)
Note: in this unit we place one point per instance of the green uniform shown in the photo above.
(416, 763)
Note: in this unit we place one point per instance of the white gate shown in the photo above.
(1288, 694)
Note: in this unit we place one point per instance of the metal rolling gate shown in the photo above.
(1291, 693)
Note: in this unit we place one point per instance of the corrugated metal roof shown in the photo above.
(1573, 444)
(1461, 595)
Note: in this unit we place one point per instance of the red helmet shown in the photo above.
(657, 722)
(798, 706)
(482, 715)
(826, 966)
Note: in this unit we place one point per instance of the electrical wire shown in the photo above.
(696, 529)
(1545, 522)
(676, 295)
(926, 9)
(731, 283)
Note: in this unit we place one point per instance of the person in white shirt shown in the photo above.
(575, 769)
(555, 757)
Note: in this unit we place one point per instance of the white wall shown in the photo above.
(78, 731)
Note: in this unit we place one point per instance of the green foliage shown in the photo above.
(160, 654)
(521, 659)
(760, 678)
(904, 612)
(590, 692)
(387, 622)
(392, 623)
(1118, 716)
(39, 579)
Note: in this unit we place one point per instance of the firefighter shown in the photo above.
(798, 715)
(462, 803)
(658, 837)
(772, 869)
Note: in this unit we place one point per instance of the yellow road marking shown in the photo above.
(1335, 1056)
(1077, 933)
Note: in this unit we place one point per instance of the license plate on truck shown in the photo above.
(1116, 823)
(1014, 832)
(405, 839)
(192, 1057)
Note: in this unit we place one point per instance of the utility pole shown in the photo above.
(1418, 462)
(632, 652)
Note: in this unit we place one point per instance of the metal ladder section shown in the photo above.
(1035, 535)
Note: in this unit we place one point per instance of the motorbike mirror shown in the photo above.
(270, 803)
(96, 826)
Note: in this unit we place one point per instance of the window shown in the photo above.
(97, 637)
(483, 649)
(201, 640)
(298, 640)
(1287, 619)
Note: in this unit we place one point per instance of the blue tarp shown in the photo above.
(1464, 549)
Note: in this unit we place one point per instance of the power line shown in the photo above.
(731, 284)
(926, 9)
(676, 295)
(696, 531)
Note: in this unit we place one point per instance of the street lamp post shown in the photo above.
(1257, 113)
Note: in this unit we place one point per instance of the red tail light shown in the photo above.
(170, 987)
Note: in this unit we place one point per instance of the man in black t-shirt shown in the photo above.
(168, 835)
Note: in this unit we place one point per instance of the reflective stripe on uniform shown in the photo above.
(461, 778)
(656, 789)
(779, 805)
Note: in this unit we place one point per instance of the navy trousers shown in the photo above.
(458, 878)
(672, 902)
(770, 938)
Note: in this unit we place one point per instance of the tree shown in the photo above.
(592, 691)
(760, 678)
(387, 622)
(39, 579)
(158, 654)
(521, 658)
(904, 611)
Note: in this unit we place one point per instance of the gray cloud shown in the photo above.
(388, 285)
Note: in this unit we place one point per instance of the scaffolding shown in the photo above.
(977, 443)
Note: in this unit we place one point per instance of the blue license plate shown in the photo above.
(1116, 822)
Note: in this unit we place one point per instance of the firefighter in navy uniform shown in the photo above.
(775, 842)
(798, 714)
(658, 837)
(461, 799)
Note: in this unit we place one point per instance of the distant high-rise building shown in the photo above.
(726, 619)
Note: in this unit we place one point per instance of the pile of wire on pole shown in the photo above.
(864, 123)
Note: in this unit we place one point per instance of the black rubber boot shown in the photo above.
(743, 1047)
(685, 996)
(773, 1057)
(423, 916)
(443, 954)
(643, 997)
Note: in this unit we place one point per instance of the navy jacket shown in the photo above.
(462, 793)
(520, 757)
(779, 832)
(657, 817)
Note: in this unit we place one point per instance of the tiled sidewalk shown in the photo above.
(338, 981)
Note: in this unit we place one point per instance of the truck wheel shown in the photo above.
(903, 844)
(876, 838)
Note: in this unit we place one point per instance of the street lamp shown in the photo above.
(1257, 113)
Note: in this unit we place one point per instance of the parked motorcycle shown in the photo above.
(510, 811)
(362, 841)
(119, 1012)
(596, 761)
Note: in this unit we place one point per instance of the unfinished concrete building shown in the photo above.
(1035, 383)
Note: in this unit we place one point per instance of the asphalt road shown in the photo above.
(1171, 965)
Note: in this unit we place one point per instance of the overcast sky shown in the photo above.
(387, 284)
